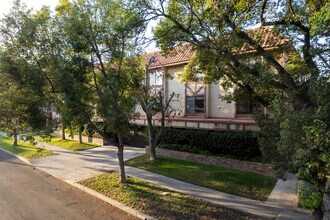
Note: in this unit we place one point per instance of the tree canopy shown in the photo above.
(82, 58)
(101, 40)
(290, 79)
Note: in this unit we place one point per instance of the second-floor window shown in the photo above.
(156, 80)
(195, 99)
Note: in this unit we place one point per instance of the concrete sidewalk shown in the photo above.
(75, 166)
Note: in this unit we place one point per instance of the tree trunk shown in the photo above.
(153, 145)
(90, 139)
(152, 139)
(120, 155)
(63, 131)
(80, 135)
(15, 137)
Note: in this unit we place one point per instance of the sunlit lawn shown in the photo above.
(159, 202)
(68, 144)
(245, 184)
(24, 149)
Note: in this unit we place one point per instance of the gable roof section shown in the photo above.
(182, 54)
(268, 39)
(179, 55)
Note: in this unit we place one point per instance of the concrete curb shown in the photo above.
(98, 195)
(112, 202)
(18, 157)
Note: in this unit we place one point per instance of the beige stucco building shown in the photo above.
(198, 105)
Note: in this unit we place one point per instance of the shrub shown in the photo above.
(242, 145)
(31, 139)
(303, 174)
(46, 137)
(309, 197)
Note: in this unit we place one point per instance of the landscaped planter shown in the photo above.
(255, 167)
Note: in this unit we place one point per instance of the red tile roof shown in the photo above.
(267, 38)
(178, 55)
(183, 53)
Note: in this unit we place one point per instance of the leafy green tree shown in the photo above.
(22, 78)
(103, 36)
(31, 50)
(76, 97)
(218, 31)
(20, 106)
(88, 49)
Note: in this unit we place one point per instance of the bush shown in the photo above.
(31, 140)
(309, 197)
(303, 174)
(46, 137)
(241, 145)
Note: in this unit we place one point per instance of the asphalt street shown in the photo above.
(28, 193)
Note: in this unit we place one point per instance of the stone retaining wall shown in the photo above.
(259, 168)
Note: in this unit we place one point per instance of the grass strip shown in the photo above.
(159, 202)
(24, 149)
(240, 183)
(68, 144)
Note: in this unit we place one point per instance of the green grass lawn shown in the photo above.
(68, 144)
(245, 184)
(159, 202)
(24, 149)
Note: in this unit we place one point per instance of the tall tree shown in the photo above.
(31, 51)
(22, 81)
(218, 33)
(104, 36)
(20, 105)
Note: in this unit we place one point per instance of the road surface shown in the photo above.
(28, 193)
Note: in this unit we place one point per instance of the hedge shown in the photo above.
(308, 196)
(243, 145)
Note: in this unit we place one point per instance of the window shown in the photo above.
(244, 107)
(156, 80)
(195, 98)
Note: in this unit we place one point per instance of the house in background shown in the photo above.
(198, 105)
